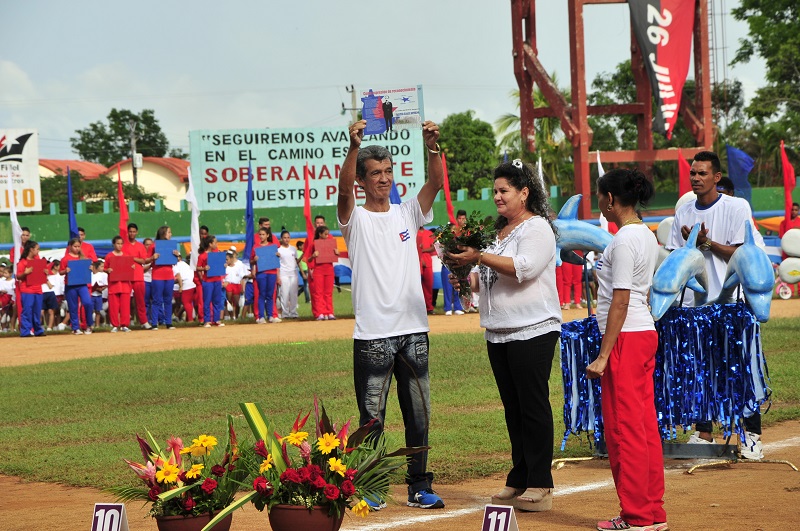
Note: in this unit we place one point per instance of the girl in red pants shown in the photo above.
(322, 286)
(119, 291)
(627, 355)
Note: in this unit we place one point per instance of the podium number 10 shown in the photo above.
(497, 521)
(107, 520)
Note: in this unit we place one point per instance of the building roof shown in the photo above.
(89, 170)
(179, 167)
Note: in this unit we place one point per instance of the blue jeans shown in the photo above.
(73, 294)
(451, 299)
(405, 357)
(266, 293)
(161, 292)
(31, 315)
(212, 296)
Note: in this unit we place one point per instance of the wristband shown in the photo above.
(705, 246)
(480, 257)
(434, 151)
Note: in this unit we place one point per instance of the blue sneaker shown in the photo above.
(425, 499)
(375, 506)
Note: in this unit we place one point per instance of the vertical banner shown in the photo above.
(19, 161)
(663, 30)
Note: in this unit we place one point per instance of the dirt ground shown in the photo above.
(748, 496)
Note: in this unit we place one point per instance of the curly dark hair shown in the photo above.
(520, 175)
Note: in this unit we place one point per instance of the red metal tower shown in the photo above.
(573, 114)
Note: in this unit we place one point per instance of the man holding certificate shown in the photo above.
(391, 331)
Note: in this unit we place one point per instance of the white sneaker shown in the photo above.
(88, 331)
(49, 329)
(113, 329)
(459, 312)
(61, 326)
(77, 332)
(147, 326)
(124, 329)
(696, 439)
(331, 317)
(207, 325)
(261, 320)
(752, 448)
(448, 312)
(275, 319)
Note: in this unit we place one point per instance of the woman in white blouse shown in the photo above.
(520, 311)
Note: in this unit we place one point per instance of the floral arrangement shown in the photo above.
(336, 470)
(478, 233)
(201, 478)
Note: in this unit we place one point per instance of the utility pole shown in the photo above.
(132, 128)
(353, 107)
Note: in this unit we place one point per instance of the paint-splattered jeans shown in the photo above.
(405, 357)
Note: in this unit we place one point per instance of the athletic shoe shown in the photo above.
(61, 326)
(154, 328)
(124, 329)
(77, 333)
(696, 439)
(449, 312)
(618, 523)
(207, 325)
(113, 330)
(458, 312)
(49, 329)
(660, 526)
(275, 319)
(752, 448)
(261, 320)
(565, 306)
(147, 326)
(331, 317)
(425, 499)
(322, 318)
(375, 506)
(170, 327)
(219, 324)
(87, 331)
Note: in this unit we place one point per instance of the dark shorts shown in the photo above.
(249, 294)
(49, 301)
(97, 303)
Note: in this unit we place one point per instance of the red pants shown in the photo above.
(138, 299)
(119, 309)
(198, 299)
(322, 290)
(571, 280)
(427, 286)
(559, 286)
(187, 299)
(631, 429)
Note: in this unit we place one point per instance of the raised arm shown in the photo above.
(347, 176)
(430, 134)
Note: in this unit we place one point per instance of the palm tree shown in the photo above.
(551, 144)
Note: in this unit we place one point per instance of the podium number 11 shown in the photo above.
(497, 521)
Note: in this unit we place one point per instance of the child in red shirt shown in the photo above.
(31, 291)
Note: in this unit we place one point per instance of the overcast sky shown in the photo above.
(256, 63)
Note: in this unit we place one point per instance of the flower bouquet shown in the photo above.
(188, 481)
(478, 233)
(333, 471)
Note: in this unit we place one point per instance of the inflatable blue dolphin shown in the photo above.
(751, 267)
(684, 267)
(577, 235)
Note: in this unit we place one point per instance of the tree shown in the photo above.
(774, 35)
(109, 143)
(551, 144)
(93, 192)
(471, 152)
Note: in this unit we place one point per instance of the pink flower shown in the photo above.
(189, 503)
(262, 486)
(176, 445)
(348, 489)
(261, 449)
(331, 492)
(209, 485)
(305, 451)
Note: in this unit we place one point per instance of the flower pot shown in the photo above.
(294, 517)
(190, 523)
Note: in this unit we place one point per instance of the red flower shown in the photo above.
(348, 489)
(350, 474)
(182, 476)
(318, 482)
(231, 468)
(189, 503)
(209, 485)
(263, 486)
(261, 449)
(304, 475)
(331, 492)
(218, 470)
(290, 475)
(153, 493)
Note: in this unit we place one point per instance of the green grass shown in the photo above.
(73, 422)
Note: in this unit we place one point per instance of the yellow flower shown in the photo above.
(337, 466)
(199, 451)
(361, 509)
(266, 464)
(327, 443)
(194, 471)
(168, 474)
(296, 437)
(206, 441)
(186, 450)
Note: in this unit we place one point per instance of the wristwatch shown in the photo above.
(705, 246)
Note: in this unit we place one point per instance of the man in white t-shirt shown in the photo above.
(391, 331)
(723, 221)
